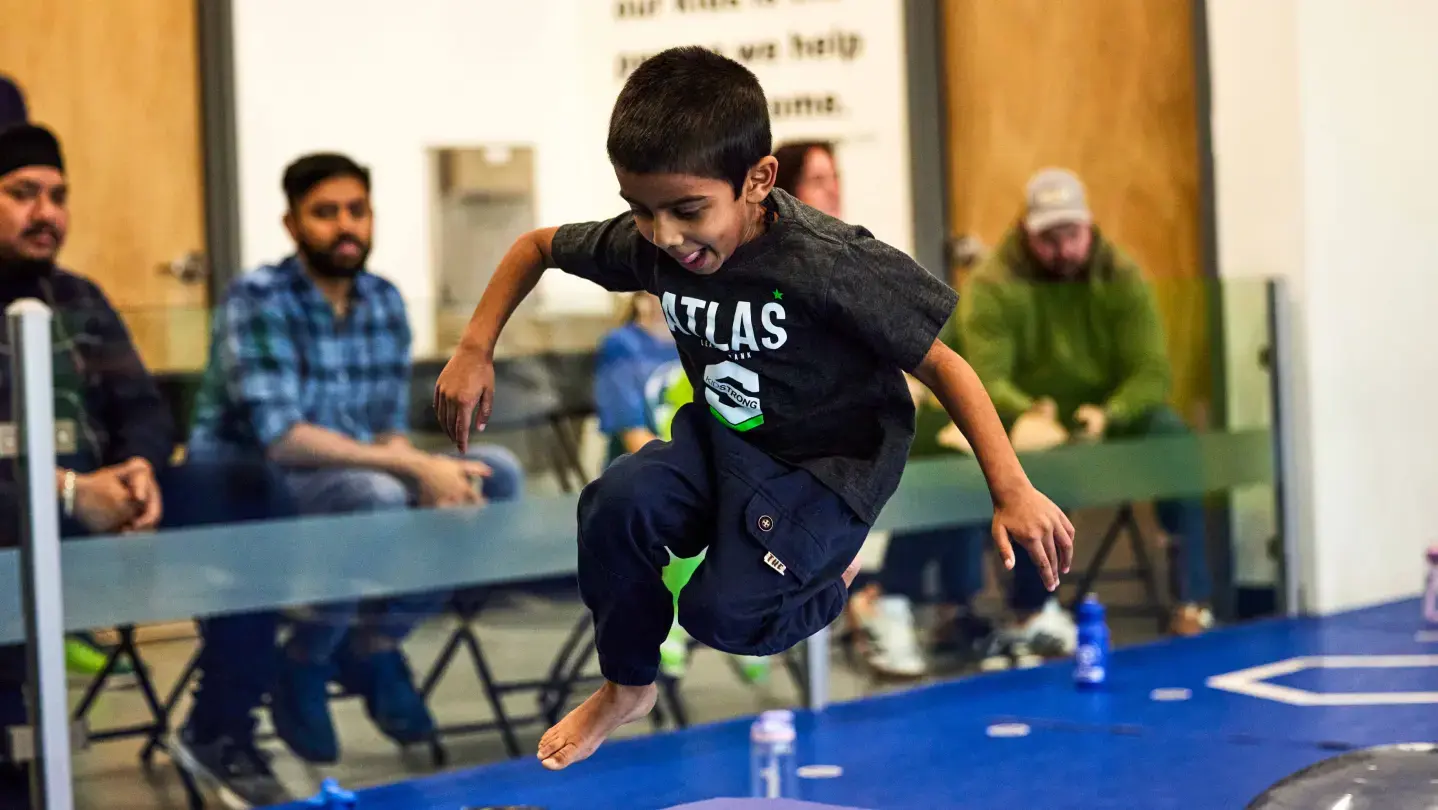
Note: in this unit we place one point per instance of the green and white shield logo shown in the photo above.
(733, 395)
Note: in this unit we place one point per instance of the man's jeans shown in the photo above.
(958, 550)
(1183, 519)
(320, 629)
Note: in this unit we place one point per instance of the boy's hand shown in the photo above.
(466, 384)
(1033, 521)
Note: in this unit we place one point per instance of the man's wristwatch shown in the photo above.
(67, 493)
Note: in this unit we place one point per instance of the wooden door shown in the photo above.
(118, 81)
(1105, 88)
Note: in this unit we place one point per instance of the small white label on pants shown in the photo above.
(774, 563)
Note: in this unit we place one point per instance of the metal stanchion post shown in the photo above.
(34, 413)
(817, 657)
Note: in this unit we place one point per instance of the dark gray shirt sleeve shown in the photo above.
(883, 297)
(608, 253)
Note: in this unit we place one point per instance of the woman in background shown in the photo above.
(808, 171)
(638, 385)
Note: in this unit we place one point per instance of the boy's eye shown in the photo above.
(688, 213)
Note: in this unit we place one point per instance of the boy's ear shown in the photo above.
(761, 180)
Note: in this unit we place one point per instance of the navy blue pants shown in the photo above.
(777, 543)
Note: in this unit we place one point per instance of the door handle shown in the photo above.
(190, 268)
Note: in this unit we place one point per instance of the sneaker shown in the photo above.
(239, 773)
(300, 711)
(964, 634)
(894, 651)
(674, 653)
(1191, 620)
(1051, 633)
(393, 702)
(1007, 649)
(85, 658)
(754, 669)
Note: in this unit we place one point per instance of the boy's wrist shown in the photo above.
(477, 348)
(1009, 489)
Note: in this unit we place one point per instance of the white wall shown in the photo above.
(1346, 90)
(384, 82)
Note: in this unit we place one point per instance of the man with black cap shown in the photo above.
(123, 431)
(111, 481)
(12, 103)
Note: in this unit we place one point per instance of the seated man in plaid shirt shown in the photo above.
(310, 365)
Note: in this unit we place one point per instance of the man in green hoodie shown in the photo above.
(1062, 327)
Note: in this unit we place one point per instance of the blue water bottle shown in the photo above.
(771, 756)
(332, 797)
(1091, 657)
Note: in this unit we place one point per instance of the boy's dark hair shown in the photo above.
(690, 111)
(311, 170)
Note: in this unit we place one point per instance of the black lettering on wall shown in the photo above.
(805, 105)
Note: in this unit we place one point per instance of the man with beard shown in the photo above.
(117, 478)
(310, 367)
(1064, 331)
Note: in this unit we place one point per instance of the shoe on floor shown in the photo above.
(393, 702)
(964, 633)
(894, 651)
(1051, 633)
(85, 657)
(300, 711)
(1191, 620)
(754, 669)
(238, 772)
(674, 653)
(1008, 649)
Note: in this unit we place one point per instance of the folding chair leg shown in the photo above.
(568, 447)
(156, 741)
(559, 681)
(796, 663)
(446, 658)
(1144, 564)
(669, 691)
(564, 685)
(486, 679)
(194, 798)
(1105, 548)
(158, 718)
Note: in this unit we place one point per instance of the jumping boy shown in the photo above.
(794, 329)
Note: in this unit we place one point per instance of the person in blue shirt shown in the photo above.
(635, 364)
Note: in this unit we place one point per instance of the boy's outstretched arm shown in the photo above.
(467, 382)
(1022, 514)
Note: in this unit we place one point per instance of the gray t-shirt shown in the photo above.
(797, 343)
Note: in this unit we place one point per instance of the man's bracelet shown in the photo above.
(67, 493)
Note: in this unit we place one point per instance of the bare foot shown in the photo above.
(581, 731)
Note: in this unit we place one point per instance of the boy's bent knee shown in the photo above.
(620, 494)
(735, 623)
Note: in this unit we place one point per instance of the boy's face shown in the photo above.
(698, 220)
